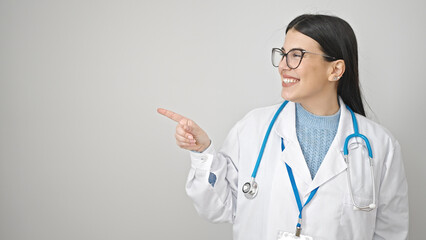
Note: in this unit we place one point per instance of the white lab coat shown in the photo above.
(330, 213)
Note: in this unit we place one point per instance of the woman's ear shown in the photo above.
(337, 70)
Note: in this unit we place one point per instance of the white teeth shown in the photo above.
(289, 80)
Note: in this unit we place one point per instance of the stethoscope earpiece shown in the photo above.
(367, 208)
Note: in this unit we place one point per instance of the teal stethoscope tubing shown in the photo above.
(265, 139)
(356, 134)
(345, 155)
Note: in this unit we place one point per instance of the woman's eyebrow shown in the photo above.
(297, 48)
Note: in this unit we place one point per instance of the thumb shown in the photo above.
(187, 125)
(192, 127)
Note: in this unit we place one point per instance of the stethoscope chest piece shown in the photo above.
(250, 189)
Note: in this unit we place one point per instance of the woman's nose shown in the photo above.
(283, 64)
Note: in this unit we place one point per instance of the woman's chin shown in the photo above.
(287, 96)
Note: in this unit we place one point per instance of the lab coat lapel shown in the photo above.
(333, 162)
(292, 155)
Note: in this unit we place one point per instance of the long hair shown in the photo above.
(337, 39)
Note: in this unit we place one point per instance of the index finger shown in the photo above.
(172, 115)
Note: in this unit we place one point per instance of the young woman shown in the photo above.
(313, 166)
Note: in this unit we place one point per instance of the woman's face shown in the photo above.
(312, 80)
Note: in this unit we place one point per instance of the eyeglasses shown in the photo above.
(293, 57)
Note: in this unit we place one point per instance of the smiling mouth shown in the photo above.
(290, 80)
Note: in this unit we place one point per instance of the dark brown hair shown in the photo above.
(337, 39)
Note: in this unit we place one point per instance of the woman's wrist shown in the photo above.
(204, 147)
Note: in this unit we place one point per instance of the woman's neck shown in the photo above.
(322, 107)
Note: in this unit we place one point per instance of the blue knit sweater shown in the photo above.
(315, 134)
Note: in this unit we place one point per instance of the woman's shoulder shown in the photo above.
(376, 130)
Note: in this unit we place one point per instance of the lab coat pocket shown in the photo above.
(354, 223)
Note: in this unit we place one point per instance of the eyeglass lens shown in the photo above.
(293, 57)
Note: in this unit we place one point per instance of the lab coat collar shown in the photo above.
(333, 162)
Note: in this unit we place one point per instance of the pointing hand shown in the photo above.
(188, 134)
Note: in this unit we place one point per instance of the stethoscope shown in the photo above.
(251, 188)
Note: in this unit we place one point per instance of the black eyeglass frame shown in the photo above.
(294, 49)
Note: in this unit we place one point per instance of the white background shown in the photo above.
(83, 153)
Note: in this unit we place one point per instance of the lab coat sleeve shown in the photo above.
(215, 200)
(392, 213)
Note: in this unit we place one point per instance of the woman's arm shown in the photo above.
(392, 213)
(213, 179)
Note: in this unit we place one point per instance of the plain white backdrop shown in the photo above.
(83, 153)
